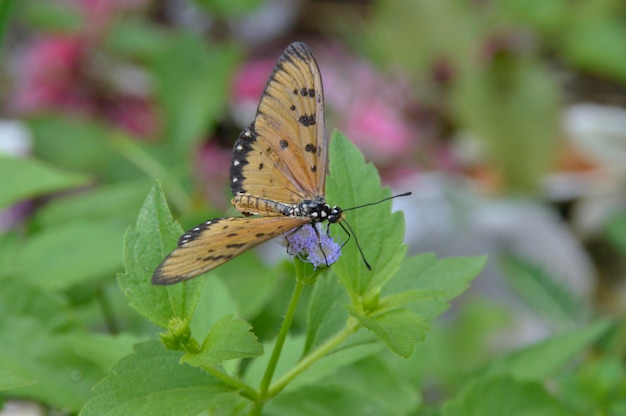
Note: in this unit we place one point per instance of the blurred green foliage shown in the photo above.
(76, 339)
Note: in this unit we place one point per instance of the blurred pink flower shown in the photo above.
(371, 108)
(47, 76)
(251, 78)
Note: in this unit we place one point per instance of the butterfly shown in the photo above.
(277, 173)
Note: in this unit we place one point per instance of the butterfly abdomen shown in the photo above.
(256, 205)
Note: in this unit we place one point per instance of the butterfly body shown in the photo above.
(277, 174)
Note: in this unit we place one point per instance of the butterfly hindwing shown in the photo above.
(282, 156)
(215, 242)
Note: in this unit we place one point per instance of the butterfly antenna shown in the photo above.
(378, 202)
(350, 234)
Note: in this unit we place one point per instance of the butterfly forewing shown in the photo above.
(215, 242)
(283, 155)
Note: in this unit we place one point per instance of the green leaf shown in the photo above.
(8, 380)
(595, 43)
(369, 385)
(69, 254)
(353, 182)
(251, 283)
(34, 327)
(326, 315)
(333, 364)
(145, 246)
(399, 329)
(548, 298)
(31, 177)
(546, 358)
(117, 201)
(50, 17)
(447, 277)
(77, 144)
(192, 85)
(229, 8)
(214, 303)
(504, 396)
(229, 339)
(408, 297)
(152, 381)
(511, 103)
(100, 349)
(615, 231)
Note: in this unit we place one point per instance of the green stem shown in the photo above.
(320, 352)
(237, 384)
(139, 157)
(278, 347)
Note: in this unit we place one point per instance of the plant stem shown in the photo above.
(352, 325)
(280, 342)
(246, 390)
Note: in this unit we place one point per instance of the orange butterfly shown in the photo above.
(278, 171)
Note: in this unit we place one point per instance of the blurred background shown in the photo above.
(505, 118)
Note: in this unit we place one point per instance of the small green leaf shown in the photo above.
(151, 381)
(546, 358)
(229, 339)
(399, 329)
(504, 396)
(380, 232)
(145, 246)
(31, 177)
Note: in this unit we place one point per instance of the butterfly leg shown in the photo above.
(319, 242)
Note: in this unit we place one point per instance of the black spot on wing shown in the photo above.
(292, 108)
(283, 144)
(313, 168)
(307, 120)
(235, 245)
(310, 148)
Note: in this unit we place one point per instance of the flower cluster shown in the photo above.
(315, 247)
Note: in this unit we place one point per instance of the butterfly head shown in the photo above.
(335, 215)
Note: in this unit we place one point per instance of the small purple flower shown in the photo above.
(305, 243)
